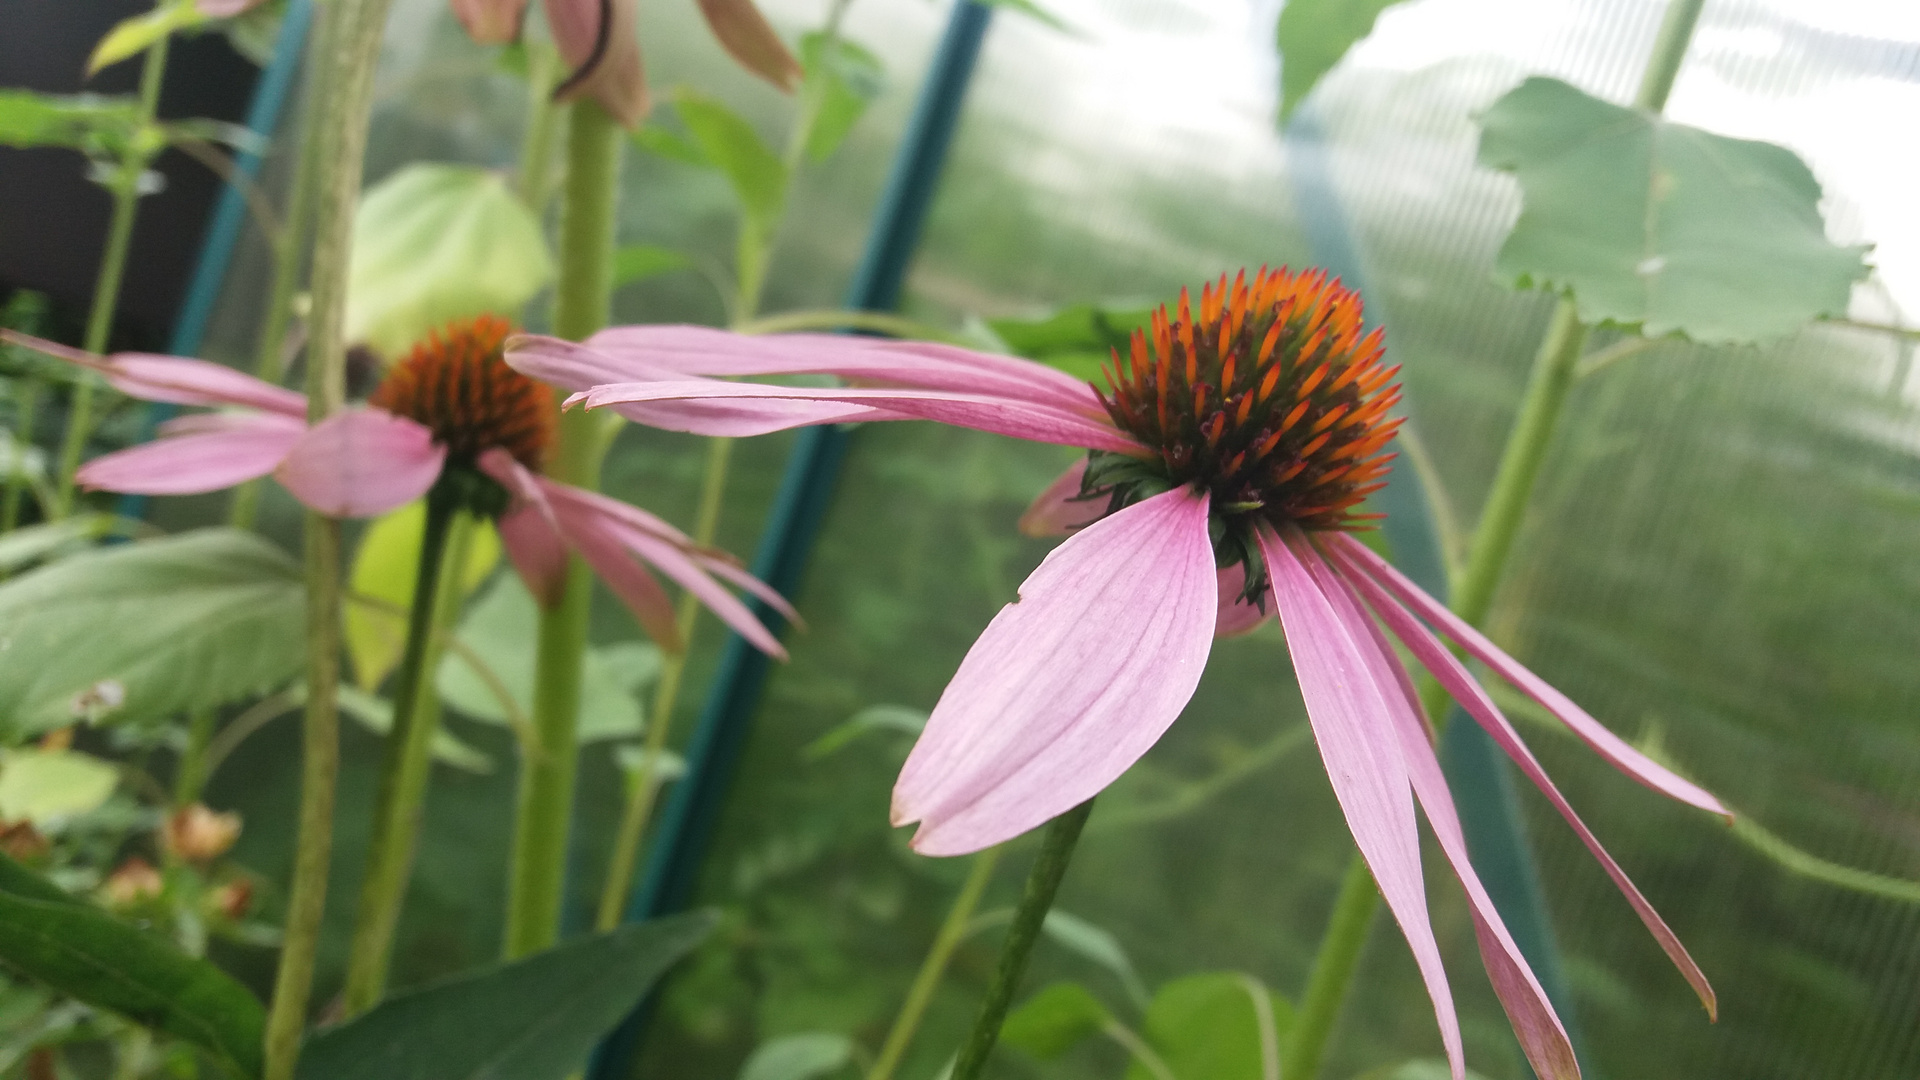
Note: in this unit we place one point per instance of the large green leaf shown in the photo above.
(91, 956)
(433, 243)
(1207, 1025)
(203, 618)
(1658, 225)
(1050, 1022)
(532, 1019)
(42, 785)
(1313, 35)
(843, 80)
(88, 122)
(756, 173)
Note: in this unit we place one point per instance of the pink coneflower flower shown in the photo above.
(1231, 447)
(451, 406)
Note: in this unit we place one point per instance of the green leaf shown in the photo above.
(376, 715)
(34, 543)
(799, 1057)
(1076, 339)
(433, 243)
(93, 957)
(1095, 943)
(532, 1019)
(500, 631)
(203, 618)
(254, 32)
(1312, 37)
(40, 785)
(384, 569)
(658, 140)
(756, 173)
(873, 718)
(1660, 226)
(87, 122)
(1050, 1022)
(132, 36)
(636, 261)
(843, 80)
(1207, 1025)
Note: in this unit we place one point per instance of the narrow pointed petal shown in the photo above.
(1592, 732)
(1459, 683)
(225, 9)
(1542, 1037)
(1351, 722)
(208, 453)
(528, 530)
(636, 588)
(490, 22)
(745, 33)
(605, 60)
(361, 462)
(180, 381)
(1019, 419)
(1060, 509)
(1236, 616)
(1069, 685)
(729, 571)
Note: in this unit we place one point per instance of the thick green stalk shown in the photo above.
(347, 46)
(934, 967)
(113, 264)
(535, 179)
(581, 298)
(408, 758)
(1043, 881)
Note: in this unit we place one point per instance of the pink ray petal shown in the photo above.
(528, 530)
(630, 581)
(1351, 721)
(199, 453)
(490, 22)
(1059, 510)
(1460, 683)
(1068, 686)
(1595, 734)
(361, 462)
(1236, 616)
(1021, 420)
(180, 381)
(767, 594)
(1535, 1024)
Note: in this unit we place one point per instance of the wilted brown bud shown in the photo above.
(200, 835)
(232, 900)
(58, 739)
(135, 882)
(20, 840)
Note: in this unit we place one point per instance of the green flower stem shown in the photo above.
(191, 776)
(1554, 373)
(347, 47)
(409, 750)
(535, 179)
(125, 189)
(934, 967)
(582, 295)
(1043, 881)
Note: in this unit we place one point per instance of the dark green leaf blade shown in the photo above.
(1313, 35)
(532, 1019)
(202, 618)
(1661, 226)
(1050, 1022)
(91, 956)
(1208, 1025)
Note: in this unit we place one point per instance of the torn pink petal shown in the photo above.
(1069, 685)
(1460, 683)
(199, 453)
(1351, 722)
(1237, 616)
(179, 381)
(490, 22)
(1595, 734)
(1061, 509)
(362, 462)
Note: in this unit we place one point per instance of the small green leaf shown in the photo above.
(1207, 1025)
(844, 79)
(87, 122)
(376, 715)
(1312, 37)
(1660, 226)
(132, 36)
(1075, 339)
(433, 243)
(384, 569)
(41, 785)
(93, 957)
(532, 1019)
(655, 139)
(805, 1056)
(637, 261)
(254, 32)
(203, 618)
(1050, 1022)
(873, 718)
(756, 173)
(1095, 943)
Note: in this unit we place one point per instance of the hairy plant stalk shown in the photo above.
(932, 969)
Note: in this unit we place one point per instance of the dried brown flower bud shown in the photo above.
(198, 834)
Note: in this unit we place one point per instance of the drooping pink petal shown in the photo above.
(1460, 683)
(225, 9)
(744, 33)
(1069, 685)
(361, 462)
(179, 381)
(1541, 1036)
(198, 453)
(605, 60)
(528, 530)
(1351, 721)
(630, 581)
(1033, 421)
(726, 570)
(1236, 616)
(490, 22)
(1595, 734)
(1060, 509)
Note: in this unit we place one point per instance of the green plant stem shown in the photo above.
(535, 179)
(347, 45)
(932, 969)
(191, 776)
(1043, 881)
(581, 298)
(113, 264)
(408, 759)
(1334, 965)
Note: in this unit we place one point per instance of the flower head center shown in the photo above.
(457, 384)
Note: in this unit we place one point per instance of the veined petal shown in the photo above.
(528, 530)
(727, 570)
(203, 453)
(1592, 732)
(629, 580)
(1060, 509)
(1541, 1036)
(1460, 683)
(1021, 420)
(744, 32)
(605, 59)
(490, 22)
(1069, 685)
(180, 381)
(1236, 616)
(361, 462)
(1351, 721)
